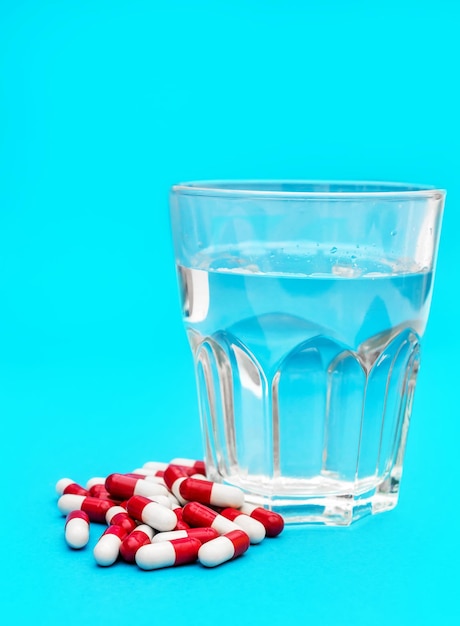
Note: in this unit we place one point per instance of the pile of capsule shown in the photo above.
(163, 515)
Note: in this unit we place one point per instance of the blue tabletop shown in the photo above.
(105, 105)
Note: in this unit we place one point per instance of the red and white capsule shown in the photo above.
(198, 466)
(95, 508)
(253, 528)
(107, 549)
(273, 522)
(202, 534)
(199, 515)
(77, 529)
(168, 553)
(225, 548)
(186, 489)
(207, 492)
(152, 513)
(67, 485)
(118, 516)
(135, 540)
(121, 486)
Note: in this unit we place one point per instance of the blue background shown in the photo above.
(103, 105)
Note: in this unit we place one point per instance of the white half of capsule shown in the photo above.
(70, 502)
(224, 495)
(174, 501)
(147, 488)
(253, 528)
(62, 484)
(170, 536)
(145, 528)
(248, 508)
(198, 477)
(107, 549)
(77, 533)
(143, 471)
(96, 480)
(156, 555)
(224, 525)
(175, 490)
(216, 551)
(159, 480)
(149, 476)
(155, 465)
(163, 500)
(185, 462)
(159, 517)
(114, 510)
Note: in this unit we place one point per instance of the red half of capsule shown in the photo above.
(196, 489)
(99, 491)
(188, 469)
(200, 467)
(124, 520)
(173, 472)
(77, 515)
(186, 550)
(229, 513)
(198, 515)
(273, 522)
(76, 489)
(135, 505)
(96, 508)
(240, 541)
(117, 530)
(202, 534)
(131, 544)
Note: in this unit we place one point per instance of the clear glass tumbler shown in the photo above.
(304, 304)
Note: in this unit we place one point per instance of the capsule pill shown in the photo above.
(121, 487)
(77, 529)
(225, 548)
(168, 553)
(139, 537)
(107, 549)
(152, 513)
(199, 515)
(95, 508)
(273, 522)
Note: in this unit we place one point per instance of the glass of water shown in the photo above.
(305, 303)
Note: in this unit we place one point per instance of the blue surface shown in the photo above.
(103, 105)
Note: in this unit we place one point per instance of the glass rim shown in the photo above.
(346, 189)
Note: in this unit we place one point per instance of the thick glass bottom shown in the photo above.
(336, 503)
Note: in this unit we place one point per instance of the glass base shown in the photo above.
(336, 506)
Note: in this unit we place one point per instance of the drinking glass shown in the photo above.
(305, 303)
